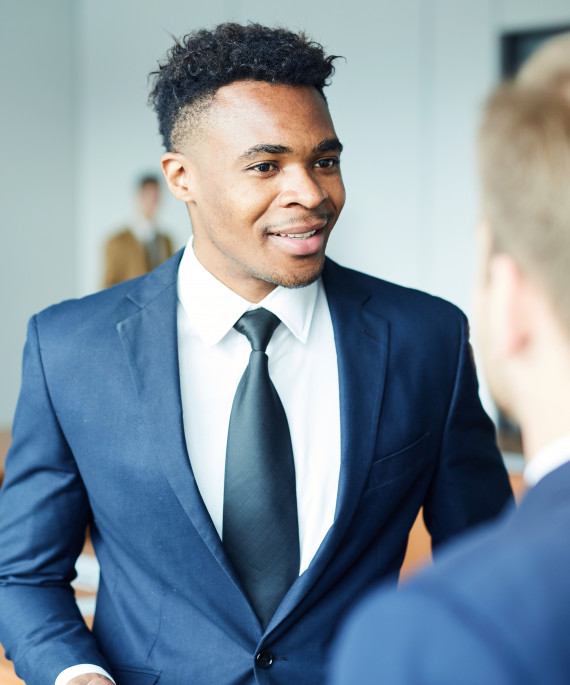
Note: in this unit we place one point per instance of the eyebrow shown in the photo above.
(326, 145)
(329, 145)
(267, 148)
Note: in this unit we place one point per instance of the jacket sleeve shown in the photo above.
(470, 484)
(44, 512)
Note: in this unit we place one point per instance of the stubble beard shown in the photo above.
(291, 280)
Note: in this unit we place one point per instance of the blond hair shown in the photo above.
(524, 147)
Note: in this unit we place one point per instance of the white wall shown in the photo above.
(405, 104)
(119, 44)
(38, 259)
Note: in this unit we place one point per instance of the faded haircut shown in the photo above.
(203, 61)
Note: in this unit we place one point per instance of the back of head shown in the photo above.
(205, 60)
(524, 148)
(525, 172)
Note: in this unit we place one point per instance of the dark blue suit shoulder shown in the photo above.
(415, 317)
(111, 305)
(79, 318)
(390, 296)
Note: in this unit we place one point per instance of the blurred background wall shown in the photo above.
(76, 133)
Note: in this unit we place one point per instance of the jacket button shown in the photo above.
(264, 660)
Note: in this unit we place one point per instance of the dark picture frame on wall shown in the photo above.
(517, 46)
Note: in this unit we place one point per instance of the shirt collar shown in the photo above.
(547, 459)
(213, 308)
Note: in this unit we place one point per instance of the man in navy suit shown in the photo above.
(496, 607)
(126, 400)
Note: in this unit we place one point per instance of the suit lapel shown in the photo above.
(149, 337)
(150, 340)
(361, 340)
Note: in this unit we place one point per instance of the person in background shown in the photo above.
(250, 430)
(139, 249)
(496, 607)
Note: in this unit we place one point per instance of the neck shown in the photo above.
(544, 410)
(537, 436)
(245, 284)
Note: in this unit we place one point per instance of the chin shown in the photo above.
(294, 277)
(292, 280)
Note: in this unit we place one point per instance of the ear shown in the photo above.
(176, 170)
(511, 303)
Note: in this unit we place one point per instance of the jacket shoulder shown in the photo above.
(393, 301)
(110, 305)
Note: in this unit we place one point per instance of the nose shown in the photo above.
(301, 187)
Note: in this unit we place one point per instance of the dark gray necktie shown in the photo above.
(260, 526)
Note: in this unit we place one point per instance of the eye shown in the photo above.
(264, 167)
(328, 163)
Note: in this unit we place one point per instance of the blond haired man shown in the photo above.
(496, 608)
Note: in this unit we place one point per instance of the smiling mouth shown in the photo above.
(298, 236)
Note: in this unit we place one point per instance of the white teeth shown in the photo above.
(298, 236)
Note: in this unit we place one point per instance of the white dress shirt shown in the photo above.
(546, 460)
(212, 357)
(303, 367)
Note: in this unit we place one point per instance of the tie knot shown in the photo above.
(258, 326)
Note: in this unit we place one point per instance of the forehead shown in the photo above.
(246, 113)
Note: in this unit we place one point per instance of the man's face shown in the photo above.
(265, 186)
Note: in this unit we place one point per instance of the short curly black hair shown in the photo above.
(203, 61)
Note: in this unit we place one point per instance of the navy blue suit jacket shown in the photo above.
(495, 609)
(98, 439)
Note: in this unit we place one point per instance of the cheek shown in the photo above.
(220, 211)
(492, 333)
(337, 193)
(240, 203)
(478, 300)
(485, 313)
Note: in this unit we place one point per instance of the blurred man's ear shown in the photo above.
(511, 301)
(176, 169)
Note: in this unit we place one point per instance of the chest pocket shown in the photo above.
(405, 461)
